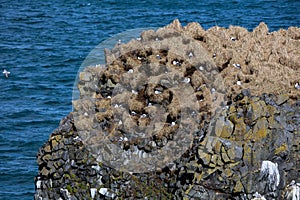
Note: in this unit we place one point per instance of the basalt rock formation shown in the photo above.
(226, 101)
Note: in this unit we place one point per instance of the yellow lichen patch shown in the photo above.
(261, 133)
(217, 146)
(198, 177)
(232, 109)
(248, 155)
(245, 100)
(258, 109)
(205, 157)
(280, 149)
(238, 187)
(227, 173)
(189, 189)
(240, 129)
(260, 129)
(271, 109)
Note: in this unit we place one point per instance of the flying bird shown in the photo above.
(6, 73)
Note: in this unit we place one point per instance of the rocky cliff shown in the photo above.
(182, 113)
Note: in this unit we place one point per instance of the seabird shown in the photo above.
(297, 85)
(143, 116)
(134, 92)
(237, 65)
(6, 73)
(186, 80)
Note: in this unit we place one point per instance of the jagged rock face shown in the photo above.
(179, 86)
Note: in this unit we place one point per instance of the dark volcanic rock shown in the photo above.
(241, 138)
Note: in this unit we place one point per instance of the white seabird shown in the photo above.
(6, 73)
(297, 85)
(237, 65)
(186, 80)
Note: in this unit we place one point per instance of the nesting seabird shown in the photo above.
(237, 65)
(6, 73)
(157, 92)
(186, 80)
(233, 38)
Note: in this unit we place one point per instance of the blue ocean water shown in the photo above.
(43, 43)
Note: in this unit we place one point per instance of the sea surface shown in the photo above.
(43, 44)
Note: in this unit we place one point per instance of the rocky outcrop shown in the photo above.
(182, 113)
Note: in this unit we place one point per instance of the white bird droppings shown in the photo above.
(93, 192)
(103, 191)
(38, 184)
(271, 172)
(239, 82)
(297, 86)
(292, 191)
